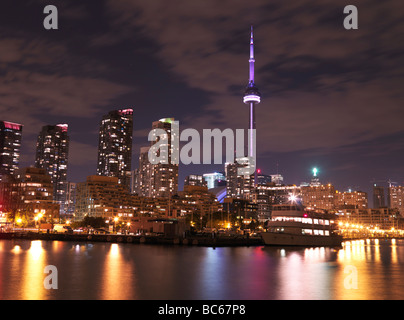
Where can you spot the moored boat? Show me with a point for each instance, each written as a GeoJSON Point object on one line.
{"type": "Point", "coordinates": [293, 225]}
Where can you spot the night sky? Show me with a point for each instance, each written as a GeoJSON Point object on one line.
{"type": "Point", "coordinates": [331, 98]}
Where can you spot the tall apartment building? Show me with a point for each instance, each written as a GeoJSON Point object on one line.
{"type": "Point", "coordinates": [396, 198]}
{"type": "Point", "coordinates": [160, 179]}
{"type": "Point", "coordinates": [115, 146]}
{"type": "Point", "coordinates": [52, 151]}
{"type": "Point", "coordinates": [10, 144]}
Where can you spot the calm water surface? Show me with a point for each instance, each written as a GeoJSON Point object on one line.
{"type": "Point", "coordinates": [130, 271]}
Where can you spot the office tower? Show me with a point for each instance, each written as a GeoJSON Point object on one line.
{"type": "Point", "coordinates": [10, 144]}
{"type": "Point", "coordinates": [115, 145]}
{"type": "Point", "coordinates": [252, 97]}
{"type": "Point", "coordinates": [215, 179]}
{"type": "Point", "coordinates": [160, 179]}
{"type": "Point", "coordinates": [378, 197]}
{"type": "Point", "coordinates": [52, 150]}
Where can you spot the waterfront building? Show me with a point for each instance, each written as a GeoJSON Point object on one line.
{"type": "Point", "coordinates": [28, 193]}
{"type": "Point", "coordinates": [362, 219]}
{"type": "Point", "coordinates": [101, 196]}
{"type": "Point", "coordinates": [115, 146]}
{"type": "Point", "coordinates": [52, 151]}
{"type": "Point", "coordinates": [10, 145]}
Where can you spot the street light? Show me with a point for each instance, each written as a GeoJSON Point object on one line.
{"type": "Point", "coordinates": [115, 221]}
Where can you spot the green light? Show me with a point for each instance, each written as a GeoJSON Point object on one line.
{"type": "Point", "coordinates": [315, 170]}
{"type": "Point", "coordinates": [167, 120]}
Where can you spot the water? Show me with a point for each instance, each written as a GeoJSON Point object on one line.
{"type": "Point", "coordinates": [360, 270]}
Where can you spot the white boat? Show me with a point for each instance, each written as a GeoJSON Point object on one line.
{"type": "Point", "coordinates": [292, 225]}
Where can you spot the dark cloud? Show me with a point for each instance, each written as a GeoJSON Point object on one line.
{"type": "Point", "coordinates": [326, 90]}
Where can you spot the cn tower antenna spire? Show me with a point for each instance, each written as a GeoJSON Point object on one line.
{"type": "Point", "coordinates": [252, 60]}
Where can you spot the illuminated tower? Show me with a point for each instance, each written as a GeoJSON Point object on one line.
{"type": "Point", "coordinates": [10, 143]}
{"type": "Point", "coordinates": [251, 97]}
{"type": "Point", "coordinates": [52, 151]}
{"type": "Point", "coordinates": [115, 145]}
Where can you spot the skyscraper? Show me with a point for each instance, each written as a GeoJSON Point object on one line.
{"type": "Point", "coordinates": [378, 197]}
{"type": "Point", "coordinates": [10, 144]}
{"type": "Point", "coordinates": [160, 179]}
{"type": "Point", "coordinates": [115, 145]}
{"type": "Point", "coordinates": [52, 151]}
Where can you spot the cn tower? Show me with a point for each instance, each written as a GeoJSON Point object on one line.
{"type": "Point", "coordinates": [252, 97]}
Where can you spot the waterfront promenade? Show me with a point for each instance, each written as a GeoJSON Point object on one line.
{"type": "Point", "coordinates": [208, 239]}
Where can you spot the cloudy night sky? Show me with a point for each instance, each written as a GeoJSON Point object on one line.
{"type": "Point", "coordinates": [331, 98]}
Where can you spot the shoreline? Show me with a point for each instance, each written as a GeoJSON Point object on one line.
{"type": "Point", "coordinates": [207, 241]}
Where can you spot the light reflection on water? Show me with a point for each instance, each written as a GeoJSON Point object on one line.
{"type": "Point", "coordinates": [129, 271]}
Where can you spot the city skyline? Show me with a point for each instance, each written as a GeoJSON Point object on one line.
{"type": "Point", "coordinates": [332, 97]}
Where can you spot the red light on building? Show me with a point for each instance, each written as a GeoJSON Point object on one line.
{"type": "Point", "coordinates": [12, 125]}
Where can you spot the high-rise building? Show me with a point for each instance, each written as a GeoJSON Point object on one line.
{"type": "Point", "coordinates": [144, 183]}
{"type": "Point", "coordinates": [159, 179]}
{"type": "Point", "coordinates": [115, 145]}
{"type": "Point", "coordinates": [10, 144]}
{"type": "Point", "coordinates": [52, 151]}
{"type": "Point", "coordinates": [378, 197]}
{"type": "Point", "coordinates": [396, 198]}
{"type": "Point", "coordinates": [238, 186]}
